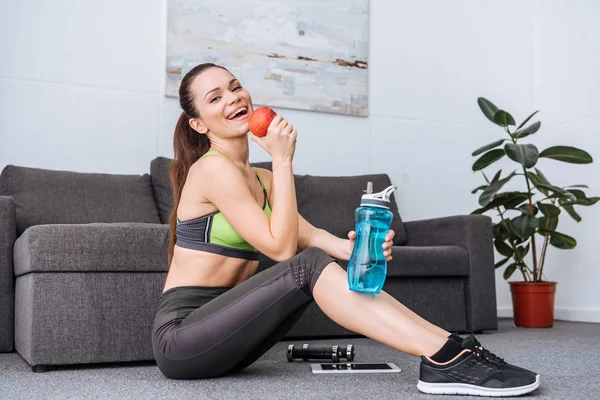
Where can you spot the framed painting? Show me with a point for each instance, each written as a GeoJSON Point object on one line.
{"type": "Point", "coordinates": [299, 54]}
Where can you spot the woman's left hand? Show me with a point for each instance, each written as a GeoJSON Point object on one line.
{"type": "Point", "coordinates": [387, 245]}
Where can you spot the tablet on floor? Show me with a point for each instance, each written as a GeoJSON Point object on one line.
{"type": "Point", "coordinates": [354, 368]}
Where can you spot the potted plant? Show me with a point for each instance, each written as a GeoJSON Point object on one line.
{"type": "Point", "coordinates": [527, 219]}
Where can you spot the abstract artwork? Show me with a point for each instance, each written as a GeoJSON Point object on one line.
{"type": "Point", "coordinates": [300, 54]}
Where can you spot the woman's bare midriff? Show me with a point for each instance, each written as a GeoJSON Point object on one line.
{"type": "Point", "coordinates": [199, 268]}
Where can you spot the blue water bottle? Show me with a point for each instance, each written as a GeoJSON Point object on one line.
{"type": "Point", "coordinates": [367, 267]}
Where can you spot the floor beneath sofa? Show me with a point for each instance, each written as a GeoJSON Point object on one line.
{"type": "Point", "coordinates": [566, 356]}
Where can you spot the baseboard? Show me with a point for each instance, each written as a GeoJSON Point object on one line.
{"type": "Point", "coordinates": [505, 312]}
{"type": "Point", "coordinates": [562, 314]}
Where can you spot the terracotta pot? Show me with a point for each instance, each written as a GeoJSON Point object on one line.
{"type": "Point", "coordinates": [533, 303]}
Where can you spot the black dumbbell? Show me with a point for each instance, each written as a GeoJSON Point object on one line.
{"type": "Point", "coordinates": [333, 353]}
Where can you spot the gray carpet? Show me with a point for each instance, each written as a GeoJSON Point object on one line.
{"type": "Point", "coordinates": [566, 356]}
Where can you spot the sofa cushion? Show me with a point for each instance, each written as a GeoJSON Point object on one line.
{"type": "Point", "coordinates": [162, 187]}
{"type": "Point", "coordinates": [63, 197]}
{"type": "Point", "coordinates": [99, 247]}
{"type": "Point", "coordinates": [329, 202]}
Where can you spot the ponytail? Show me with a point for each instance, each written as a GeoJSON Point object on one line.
{"type": "Point", "coordinates": [188, 146]}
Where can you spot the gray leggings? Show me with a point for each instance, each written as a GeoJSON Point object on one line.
{"type": "Point", "coordinates": [203, 332]}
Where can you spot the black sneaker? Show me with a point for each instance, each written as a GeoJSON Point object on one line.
{"type": "Point", "coordinates": [476, 346]}
{"type": "Point", "coordinates": [475, 373]}
{"type": "Point", "coordinates": [492, 356]}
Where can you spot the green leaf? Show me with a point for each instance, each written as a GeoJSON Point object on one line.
{"type": "Point", "coordinates": [571, 211]}
{"type": "Point", "coordinates": [525, 209]}
{"type": "Point", "coordinates": [568, 154]}
{"type": "Point", "coordinates": [525, 154]}
{"type": "Point", "coordinates": [488, 108]}
{"type": "Point", "coordinates": [525, 226]}
{"type": "Point", "coordinates": [503, 118]}
{"type": "Point", "coordinates": [587, 202]}
{"type": "Point", "coordinates": [530, 130]}
{"type": "Point", "coordinates": [580, 194]}
{"type": "Point", "coordinates": [561, 192]}
{"type": "Point", "coordinates": [548, 223]}
{"type": "Point", "coordinates": [535, 179]}
{"type": "Point", "coordinates": [580, 198]}
{"type": "Point", "coordinates": [542, 177]}
{"type": "Point", "coordinates": [508, 200]}
{"type": "Point", "coordinates": [503, 248]}
{"type": "Point", "coordinates": [477, 189]}
{"type": "Point", "coordinates": [560, 240]}
{"type": "Point", "coordinates": [562, 243]}
{"type": "Point", "coordinates": [501, 263]}
{"type": "Point", "coordinates": [497, 176]}
{"type": "Point", "coordinates": [549, 210]}
{"type": "Point", "coordinates": [515, 201]}
{"type": "Point", "coordinates": [510, 270]}
{"type": "Point", "coordinates": [526, 120]}
{"type": "Point", "coordinates": [561, 198]}
{"type": "Point", "coordinates": [578, 186]}
{"type": "Point", "coordinates": [488, 158]}
{"type": "Point", "coordinates": [500, 231]}
{"type": "Point", "coordinates": [522, 251]}
{"type": "Point", "coordinates": [492, 189]}
{"type": "Point", "coordinates": [488, 146]}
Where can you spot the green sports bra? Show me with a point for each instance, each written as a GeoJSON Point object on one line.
{"type": "Point", "coordinates": [214, 234]}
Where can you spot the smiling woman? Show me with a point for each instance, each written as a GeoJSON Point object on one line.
{"type": "Point", "coordinates": [217, 316]}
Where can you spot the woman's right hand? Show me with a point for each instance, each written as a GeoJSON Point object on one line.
{"type": "Point", "coordinates": [280, 141]}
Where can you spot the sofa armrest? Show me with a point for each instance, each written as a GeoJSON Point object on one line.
{"type": "Point", "coordinates": [474, 234]}
{"type": "Point", "coordinates": [97, 247]}
{"type": "Point", "coordinates": [8, 234]}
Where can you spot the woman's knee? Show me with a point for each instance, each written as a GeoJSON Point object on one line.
{"type": "Point", "coordinates": [307, 267]}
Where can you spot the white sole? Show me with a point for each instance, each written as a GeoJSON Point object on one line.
{"type": "Point", "coordinates": [472, 390]}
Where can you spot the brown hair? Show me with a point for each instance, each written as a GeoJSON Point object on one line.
{"type": "Point", "coordinates": [188, 145]}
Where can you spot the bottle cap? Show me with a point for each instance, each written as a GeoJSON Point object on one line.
{"type": "Point", "coordinates": [381, 199]}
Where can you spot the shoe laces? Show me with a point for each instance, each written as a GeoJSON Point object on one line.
{"type": "Point", "coordinates": [485, 354]}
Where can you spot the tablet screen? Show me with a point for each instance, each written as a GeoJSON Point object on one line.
{"type": "Point", "coordinates": [355, 367]}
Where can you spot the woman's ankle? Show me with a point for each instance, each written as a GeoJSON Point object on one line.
{"type": "Point", "coordinates": [450, 350]}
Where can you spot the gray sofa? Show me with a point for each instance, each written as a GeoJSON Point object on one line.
{"type": "Point", "coordinates": [83, 258]}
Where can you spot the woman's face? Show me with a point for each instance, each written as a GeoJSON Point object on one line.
{"type": "Point", "coordinates": [224, 105]}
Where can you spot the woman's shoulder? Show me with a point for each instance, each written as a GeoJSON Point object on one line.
{"type": "Point", "coordinates": [210, 173]}
{"type": "Point", "coordinates": [211, 165]}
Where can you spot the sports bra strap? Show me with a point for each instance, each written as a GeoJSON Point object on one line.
{"type": "Point", "coordinates": [258, 176]}
{"type": "Point", "coordinates": [208, 153]}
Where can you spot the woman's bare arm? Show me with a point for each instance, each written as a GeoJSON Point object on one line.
{"type": "Point", "coordinates": [224, 186]}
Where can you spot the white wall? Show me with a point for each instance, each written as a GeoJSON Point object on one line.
{"type": "Point", "coordinates": [567, 93]}
{"type": "Point", "coordinates": [81, 89]}
{"type": "Point", "coordinates": [80, 84]}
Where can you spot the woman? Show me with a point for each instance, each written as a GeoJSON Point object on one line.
{"type": "Point", "coordinates": [216, 316]}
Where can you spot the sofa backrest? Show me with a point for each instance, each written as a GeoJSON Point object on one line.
{"type": "Point", "coordinates": [62, 197]}
{"type": "Point", "coordinates": [161, 184]}
{"type": "Point", "coordinates": [327, 202]}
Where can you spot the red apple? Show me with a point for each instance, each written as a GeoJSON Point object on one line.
{"type": "Point", "coordinates": [260, 119]}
